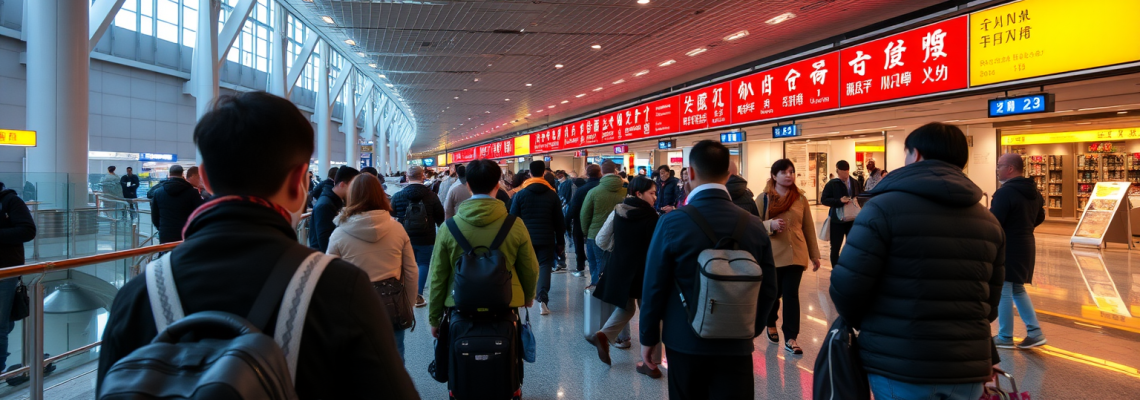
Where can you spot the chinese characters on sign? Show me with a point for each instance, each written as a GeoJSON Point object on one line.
{"type": "Point", "coordinates": [797, 88]}
{"type": "Point", "coordinates": [786, 131]}
{"type": "Point", "coordinates": [1032, 104]}
{"type": "Point", "coordinates": [926, 60]}
{"type": "Point", "coordinates": [706, 107]}
{"type": "Point", "coordinates": [10, 137]}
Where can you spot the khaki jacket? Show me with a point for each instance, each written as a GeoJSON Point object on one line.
{"type": "Point", "coordinates": [797, 244]}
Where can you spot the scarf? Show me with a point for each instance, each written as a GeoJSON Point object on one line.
{"type": "Point", "coordinates": [778, 205]}
{"type": "Point", "coordinates": [543, 181]}
{"type": "Point", "coordinates": [209, 205]}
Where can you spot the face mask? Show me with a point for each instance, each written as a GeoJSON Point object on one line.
{"type": "Point", "coordinates": [295, 216]}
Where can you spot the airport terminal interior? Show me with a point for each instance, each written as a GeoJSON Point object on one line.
{"type": "Point", "coordinates": [396, 86]}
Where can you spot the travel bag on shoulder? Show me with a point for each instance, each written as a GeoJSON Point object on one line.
{"type": "Point", "coordinates": [486, 363]}
{"type": "Point", "coordinates": [217, 355]}
{"type": "Point", "coordinates": [839, 371]}
{"type": "Point", "coordinates": [395, 300]}
{"type": "Point", "coordinates": [727, 285]}
{"type": "Point", "coordinates": [417, 219]}
{"type": "Point", "coordinates": [482, 279]}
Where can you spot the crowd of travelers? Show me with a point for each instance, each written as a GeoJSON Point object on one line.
{"type": "Point", "coordinates": [705, 263]}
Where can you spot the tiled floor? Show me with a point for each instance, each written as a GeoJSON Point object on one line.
{"type": "Point", "coordinates": [1093, 352]}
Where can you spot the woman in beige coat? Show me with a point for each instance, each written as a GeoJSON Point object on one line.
{"type": "Point", "coordinates": [787, 216]}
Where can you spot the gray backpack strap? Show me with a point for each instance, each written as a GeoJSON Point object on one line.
{"type": "Point", "coordinates": [164, 300]}
{"type": "Point", "coordinates": [295, 306]}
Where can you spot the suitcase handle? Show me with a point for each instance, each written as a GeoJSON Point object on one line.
{"type": "Point", "coordinates": [1012, 382]}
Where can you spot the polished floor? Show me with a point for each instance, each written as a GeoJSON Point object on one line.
{"type": "Point", "coordinates": [1089, 304]}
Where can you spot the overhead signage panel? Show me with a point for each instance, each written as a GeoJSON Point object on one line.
{"type": "Point", "coordinates": [732, 137]}
{"type": "Point", "coordinates": [786, 131]}
{"type": "Point", "coordinates": [1033, 38]}
{"type": "Point", "coordinates": [705, 108]}
{"type": "Point", "coordinates": [10, 137]}
{"type": "Point", "coordinates": [925, 60]}
{"type": "Point", "coordinates": [162, 157]}
{"type": "Point", "coordinates": [1071, 137]}
{"type": "Point", "coordinates": [797, 88]}
{"type": "Point", "coordinates": [1021, 105]}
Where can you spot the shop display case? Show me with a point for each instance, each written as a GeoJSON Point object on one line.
{"type": "Point", "coordinates": [1047, 171]}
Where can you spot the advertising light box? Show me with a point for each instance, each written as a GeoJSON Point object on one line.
{"type": "Point", "coordinates": [1033, 38]}
{"type": "Point", "coordinates": [705, 107]}
{"type": "Point", "coordinates": [11, 137]}
{"type": "Point", "coordinates": [800, 87]}
{"type": "Point", "coordinates": [925, 60]}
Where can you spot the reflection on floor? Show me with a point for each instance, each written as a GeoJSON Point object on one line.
{"type": "Point", "coordinates": [1093, 351]}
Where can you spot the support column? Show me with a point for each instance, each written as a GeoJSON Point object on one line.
{"type": "Point", "coordinates": [382, 145]}
{"type": "Point", "coordinates": [348, 122]}
{"type": "Point", "coordinates": [278, 41]}
{"type": "Point", "coordinates": [57, 106]}
{"type": "Point", "coordinates": [370, 126]}
{"type": "Point", "coordinates": [321, 108]}
{"type": "Point", "coordinates": [204, 73]}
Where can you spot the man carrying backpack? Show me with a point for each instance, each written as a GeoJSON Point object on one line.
{"type": "Point", "coordinates": [538, 206]}
{"type": "Point", "coordinates": [233, 246]}
{"type": "Point", "coordinates": [714, 363]}
{"type": "Point", "coordinates": [479, 222]}
{"type": "Point", "coordinates": [420, 211]}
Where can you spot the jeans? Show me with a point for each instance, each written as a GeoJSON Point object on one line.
{"type": "Point", "coordinates": [889, 389]}
{"type": "Point", "coordinates": [399, 334]}
{"type": "Point", "coordinates": [423, 260]}
{"type": "Point", "coordinates": [597, 258]}
{"type": "Point", "coordinates": [1014, 294]}
{"type": "Point", "coordinates": [789, 290]}
{"type": "Point", "coordinates": [7, 294]}
{"type": "Point", "coordinates": [546, 255]}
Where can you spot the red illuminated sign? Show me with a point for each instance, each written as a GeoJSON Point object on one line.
{"type": "Point", "coordinates": [926, 60]}
{"type": "Point", "coordinates": [500, 149]}
{"type": "Point", "coordinates": [797, 88]}
{"type": "Point", "coordinates": [621, 149]}
{"type": "Point", "coordinates": [464, 156]}
{"type": "Point", "coordinates": [705, 108]}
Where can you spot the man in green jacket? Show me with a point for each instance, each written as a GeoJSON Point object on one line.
{"type": "Point", "coordinates": [600, 201]}
{"type": "Point", "coordinates": [479, 218]}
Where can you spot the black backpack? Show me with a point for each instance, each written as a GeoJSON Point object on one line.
{"type": "Point", "coordinates": [417, 220]}
{"type": "Point", "coordinates": [482, 280]}
{"type": "Point", "coordinates": [218, 355]}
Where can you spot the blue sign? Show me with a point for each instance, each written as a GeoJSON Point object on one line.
{"type": "Point", "coordinates": [666, 144]}
{"type": "Point", "coordinates": [429, 162]}
{"type": "Point", "coordinates": [546, 158]}
{"type": "Point", "coordinates": [732, 137]}
{"type": "Point", "coordinates": [1032, 104]}
{"type": "Point", "coordinates": [158, 157]}
{"type": "Point", "coordinates": [786, 131]}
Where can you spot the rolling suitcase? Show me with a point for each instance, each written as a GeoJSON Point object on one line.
{"type": "Point", "coordinates": [596, 312]}
{"type": "Point", "coordinates": [486, 362]}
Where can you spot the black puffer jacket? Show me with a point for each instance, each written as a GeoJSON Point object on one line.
{"type": "Point", "coordinates": [16, 228]}
{"type": "Point", "coordinates": [540, 209]}
{"type": "Point", "coordinates": [634, 223]}
{"type": "Point", "coordinates": [1019, 208]}
{"type": "Point", "coordinates": [418, 192]}
{"type": "Point", "coordinates": [171, 207]}
{"type": "Point", "coordinates": [575, 210]}
{"type": "Point", "coordinates": [668, 193]}
{"type": "Point", "coordinates": [921, 276]}
{"type": "Point", "coordinates": [321, 223]}
{"type": "Point", "coordinates": [741, 195]}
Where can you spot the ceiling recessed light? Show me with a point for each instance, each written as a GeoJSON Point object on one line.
{"type": "Point", "coordinates": [506, 99]}
{"type": "Point", "coordinates": [327, 19]}
{"type": "Point", "coordinates": [598, 89]}
{"type": "Point", "coordinates": [596, 47]}
{"type": "Point", "coordinates": [529, 85]}
{"type": "Point", "coordinates": [642, 1]}
{"type": "Point", "coordinates": [541, 110]}
{"type": "Point", "coordinates": [486, 112]}
{"type": "Point", "coordinates": [373, 65]}
{"type": "Point", "coordinates": [558, 65]}
{"type": "Point", "coordinates": [581, 95]}
{"type": "Point", "coordinates": [696, 51]}
{"type": "Point", "coordinates": [780, 18]}
{"type": "Point", "coordinates": [476, 79]}
{"type": "Point", "coordinates": [360, 54]}
{"type": "Point", "coordinates": [390, 85]}
{"type": "Point", "coordinates": [457, 97]}
{"type": "Point", "coordinates": [350, 42]}
{"type": "Point", "coordinates": [736, 35]}
{"type": "Point", "coordinates": [550, 106]}
{"type": "Point", "coordinates": [667, 63]}
{"type": "Point", "coordinates": [565, 101]}
{"type": "Point", "coordinates": [464, 90]}
{"type": "Point", "coordinates": [619, 81]}
{"type": "Point", "coordinates": [381, 75]}
{"type": "Point", "coordinates": [528, 115]}
{"type": "Point", "coordinates": [640, 73]}
{"type": "Point", "coordinates": [1122, 112]}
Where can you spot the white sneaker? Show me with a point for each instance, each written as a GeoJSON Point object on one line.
{"type": "Point", "coordinates": [545, 310]}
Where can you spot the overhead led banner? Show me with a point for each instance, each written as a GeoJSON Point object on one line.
{"type": "Point", "coordinates": [705, 107]}
{"type": "Point", "coordinates": [1033, 38]}
{"type": "Point", "coordinates": [9, 137]}
{"type": "Point", "coordinates": [930, 59]}
{"type": "Point", "coordinates": [1071, 137]}
{"type": "Point", "coordinates": [797, 88]}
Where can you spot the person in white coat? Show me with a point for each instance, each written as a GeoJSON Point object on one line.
{"type": "Point", "coordinates": [367, 236]}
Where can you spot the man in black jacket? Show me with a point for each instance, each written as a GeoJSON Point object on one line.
{"type": "Point", "coordinates": [130, 184]}
{"type": "Point", "coordinates": [314, 195]}
{"type": "Point", "coordinates": [232, 244]}
{"type": "Point", "coordinates": [422, 235]}
{"type": "Point", "coordinates": [668, 190]}
{"type": "Point", "coordinates": [1019, 207]}
{"type": "Point", "coordinates": [836, 194]}
{"type": "Point", "coordinates": [17, 226]}
{"type": "Point", "coordinates": [741, 194]}
{"type": "Point", "coordinates": [172, 205]}
{"type": "Point", "coordinates": [593, 176]}
{"type": "Point", "coordinates": [538, 206]}
{"type": "Point", "coordinates": [702, 368]}
{"type": "Point", "coordinates": [329, 205]}
{"type": "Point", "coordinates": [922, 274]}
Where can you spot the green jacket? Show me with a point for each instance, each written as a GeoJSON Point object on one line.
{"type": "Point", "coordinates": [600, 201]}
{"type": "Point", "coordinates": [480, 220]}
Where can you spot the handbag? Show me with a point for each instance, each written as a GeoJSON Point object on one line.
{"type": "Point", "coordinates": [391, 292]}
{"type": "Point", "coordinates": [439, 368]}
{"type": "Point", "coordinates": [528, 344]}
{"type": "Point", "coordinates": [21, 305]}
{"type": "Point", "coordinates": [825, 231]}
{"type": "Point", "coordinates": [848, 212]}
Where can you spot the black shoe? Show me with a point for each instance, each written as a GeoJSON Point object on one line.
{"type": "Point", "coordinates": [793, 348]}
{"type": "Point", "coordinates": [773, 337]}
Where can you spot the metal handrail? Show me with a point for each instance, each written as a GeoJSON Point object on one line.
{"type": "Point", "coordinates": [34, 324]}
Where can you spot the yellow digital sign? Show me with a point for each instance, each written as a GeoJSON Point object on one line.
{"type": "Point", "coordinates": [1031, 38]}
{"type": "Point", "coordinates": [869, 149]}
{"type": "Point", "coordinates": [1071, 137]}
{"type": "Point", "coordinates": [441, 160]}
{"type": "Point", "coordinates": [10, 137]}
{"type": "Point", "coordinates": [522, 145]}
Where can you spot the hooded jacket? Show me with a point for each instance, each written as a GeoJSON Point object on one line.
{"type": "Point", "coordinates": [741, 195]}
{"type": "Point", "coordinates": [921, 277]}
{"type": "Point", "coordinates": [599, 202]}
{"type": "Point", "coordinates": [171, 207]}
{"type": "Point", "coordinates": [417, 192]}
{"type": "Point", "coordinates": [1019, 208]}
{"type": "Point", "coordinates": [479, 220]}
{"type": "Point", "coordinates": [321, 222]}
{"type": "Point", "coordinates": [539, 207]}
{"type": "Point", "coordinates": [17, 226]}
{"type": "Point", "coordinates": [377, 244]}
{"type": "Point", "coordinates": [668, 192]}
{"type": "Point", "coordinates": [633, 222]}
{"type": "Point", "coordinates": [347, 346]}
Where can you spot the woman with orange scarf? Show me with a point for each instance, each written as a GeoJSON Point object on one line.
{"type": "Point", "coordinates": [787, 216]}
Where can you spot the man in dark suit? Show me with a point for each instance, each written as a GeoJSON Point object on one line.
{"type": "Point", "coordinates": [836, 194]}
{"type": "Point", "coordinates": [701, 368]}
